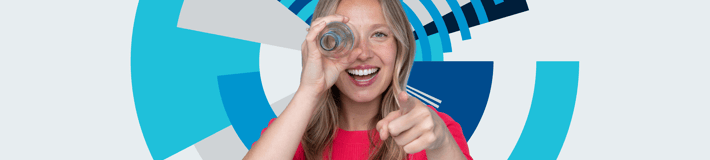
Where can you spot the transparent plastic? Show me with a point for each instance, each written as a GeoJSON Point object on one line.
{"type": "Point", "coordinates": [337, 40]}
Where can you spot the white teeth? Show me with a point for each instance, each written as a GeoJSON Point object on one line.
{"type": "Point", "coordinates": [362, 72]}
{"type": "Point", "coordinates": [366, 79]}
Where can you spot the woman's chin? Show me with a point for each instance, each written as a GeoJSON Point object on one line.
{"type": "Point", "coordinates": [363, 96]}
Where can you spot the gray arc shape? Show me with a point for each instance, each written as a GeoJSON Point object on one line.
{"type": "Point", "coordinates": [263, 21]}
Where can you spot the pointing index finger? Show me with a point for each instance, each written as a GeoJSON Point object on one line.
{"type": "Point", "coordinates": [405, 101]}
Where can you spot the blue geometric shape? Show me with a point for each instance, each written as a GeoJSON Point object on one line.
{"type": "Point", "coordinates": [418, 53]}
{"type": "Point", "coordinates": [470, 13]}
{"type": "Point", "coordinates": [308, 21]}
{"type": "Point", "coordinates": [414, 20]}
{"type": "Point", "coordinates": [495, 11]}
{"type": "Point", "coordinates": [498, 1]}
{"type": "Point", "coordinates": [460, 19]}
{"type": "Point", "coordinates": [173, 74]}
{"type": "Point", "coordinates": [287, 3]}
{"type": "Point", "coordinates": [462, 86]}
{"type": "Point", "coordinates": [480, 11]}
{"type": "Point", "coordinates": [489, 10]}
{"type": "Point", "coordinates": [440, 25]}
{"type": "Point", "coordinates": [307, 11]}
{"type": "Point", "coordinates": [437, 53]}
{"type": "Point", "coordinates": [550, 113]}
{"type": "Point", "coordinates": [451, 22]}
{"type": "Point", "coordinates": [298, 5]}
{"type": "Point", "coordinates": [246, 105]}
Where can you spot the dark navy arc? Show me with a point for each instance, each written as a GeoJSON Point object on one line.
{"type": "Point", "coordinates": [462, 86]}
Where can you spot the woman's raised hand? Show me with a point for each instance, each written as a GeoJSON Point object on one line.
{"type": "Point", "coordinates": [320, 73]}
{"type": "Point", "coordinates": [415, 127]}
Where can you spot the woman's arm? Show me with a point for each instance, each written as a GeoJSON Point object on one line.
{"type": "Point", "coordinates": [281, 139]}
{"type": "Point", "coordinates": [284, 134]}
{"type": "Point", "coordinates": [450, 147]}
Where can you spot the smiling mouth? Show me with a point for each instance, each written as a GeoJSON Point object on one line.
{"type": "Point", "coordinates": [363, 75]}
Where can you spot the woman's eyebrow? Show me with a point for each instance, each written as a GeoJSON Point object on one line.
{"type": "Point", "coordinates": [380, 25]}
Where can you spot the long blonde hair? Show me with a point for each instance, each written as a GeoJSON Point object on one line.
{"type": "Point", "coordinates": [322, 127]}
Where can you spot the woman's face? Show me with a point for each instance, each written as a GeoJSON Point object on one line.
{"type": "Point", "coordinates": [369, 76]}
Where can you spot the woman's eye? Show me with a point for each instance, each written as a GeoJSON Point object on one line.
{"type": "Point", "coordinates": [379, 34]}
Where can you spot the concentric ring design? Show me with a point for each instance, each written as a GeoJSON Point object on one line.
{"type": "Point", "coordinates": [198, 82]}
{"type": "Point", "coordinates": [551, 111]}
{"type": "Point", "coordinates": [461, 18]}
{"type": "Point", "coordinates": [174, 75]}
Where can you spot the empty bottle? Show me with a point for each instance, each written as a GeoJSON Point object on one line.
{"type": "Point", "coordinates": [337, 40]}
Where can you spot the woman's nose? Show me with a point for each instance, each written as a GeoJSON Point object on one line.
{"type": "Point", "coordinates": [363, 51]}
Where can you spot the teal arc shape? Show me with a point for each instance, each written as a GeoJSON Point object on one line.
{"type": "Point", "coordinates": [440, 25]}
{"type": "Point", "coordinates": [174, 75]}
{"type": "Point", "coordinates": [307, 10]}
{"type": "Point", "coordinates": [424, 46]}
{"type": "Point", "coordinates": [460, 19]}
{"type": "Point", "coordinates": [246, 105]}
{"type": "Point", "coordinates": [551, 111]}
{"type": "Point", "coordinates": [480, 11]}
{"type": "Point", "coordinates": [424, 41]}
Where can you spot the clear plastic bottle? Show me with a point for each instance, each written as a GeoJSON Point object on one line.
{"type": "Point", "coordinates": [337, 40]}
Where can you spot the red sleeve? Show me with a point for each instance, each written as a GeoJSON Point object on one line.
{"type": "Point", "coordinates": [300, 154]}
{"type": "Point", "coordinates": [456, 132]}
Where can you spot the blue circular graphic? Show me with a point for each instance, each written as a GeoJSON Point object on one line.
{"type": "Point", "coordinates": [189, 84]}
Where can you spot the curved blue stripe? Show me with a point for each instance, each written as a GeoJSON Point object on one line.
{"type": "Point", "coordinates": [467, 102]}
{"type": "Point", "coordinates": [550, 113]}
{"type": "Point", "coordinates": [418, 54]}
{"type": "Point", "coordinates": [414, 20]}
{"type": "Point", "coordinates": [173, 76]}
{"type": "Point", "coordinates": [460, 19]}
{"type": "Point", "coordinates": [298, 5]}
{"type": "Point", "coordinates": [308, 21]}
{"type": "Point", "coordinates": [307, 11]}
{"type": "Point", "coordinates": [246, 105]}
{"type": "Point", "coordinates": [480, 11]}
{"type": "Point", "coordinates": [440, 25]}
{"type": "Point", "coordinates": [437, 53]}
{"type": "Point", "coordinates": [287, 3]}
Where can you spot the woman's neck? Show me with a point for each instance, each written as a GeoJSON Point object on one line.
{"type": "Point", "coordinates": [356, 116]}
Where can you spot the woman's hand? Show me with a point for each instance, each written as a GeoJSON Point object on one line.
{"type": "Point", "coordinates": [416, 127]}
{"type": "Point", "coordinates": [284, 135]}
{"type": "Point", "coordinates": [320, 73]}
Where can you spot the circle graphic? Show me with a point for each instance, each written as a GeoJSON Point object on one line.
{"type": "Point", "coordinates": [205, 76]}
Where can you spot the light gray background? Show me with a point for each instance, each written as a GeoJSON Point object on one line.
{"type": "Point", "coordinates": [65, 89]}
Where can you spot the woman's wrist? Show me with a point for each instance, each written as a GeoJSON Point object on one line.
{"type": "Point", "coordinates": [308, 94]}
{"type": "Point", "coordinates": [448, 148]}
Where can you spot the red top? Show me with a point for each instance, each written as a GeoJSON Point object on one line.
{"type": "Point", "coordinates": [355, 144]}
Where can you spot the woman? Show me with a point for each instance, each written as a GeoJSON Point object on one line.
{"type": "Point", "coordinates": [336, 114]}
